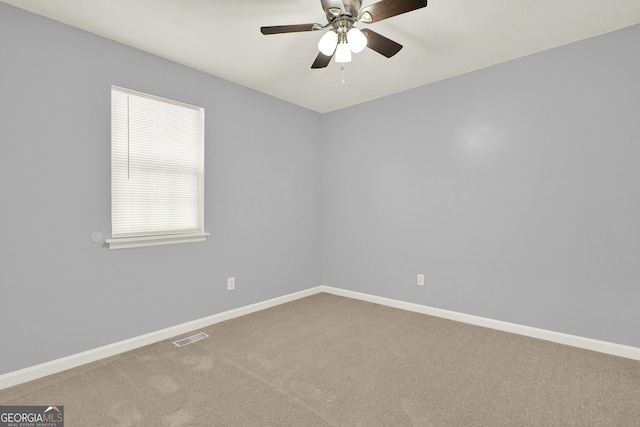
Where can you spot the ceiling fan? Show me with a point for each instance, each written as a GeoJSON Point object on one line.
{"type": "Point", "coordinates": [342, 37]}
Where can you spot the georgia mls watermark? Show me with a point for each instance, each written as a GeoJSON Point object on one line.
{"type": "Point", "coordinates": [32, 416]}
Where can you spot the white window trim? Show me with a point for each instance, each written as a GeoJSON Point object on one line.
{"type": "Point", "coordinates": [169, 238]}
{"type": "Point", "coordinates": [139, 242]}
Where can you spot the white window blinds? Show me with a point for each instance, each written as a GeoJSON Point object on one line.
{"type": "Point", "coordinates": [157, 170]}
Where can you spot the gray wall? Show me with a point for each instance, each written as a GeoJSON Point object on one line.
{"type": "Point", "coordinates": [514, 189]}
{"type": "Point", "coordinates": [61, 294]}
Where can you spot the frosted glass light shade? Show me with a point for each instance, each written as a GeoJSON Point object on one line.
{"type": "Point", "coordinates": [357, 40]}
{"type": "Point", "coordinates": [328, 42]}
{"type": "Point", "coordinates": [343, 53]}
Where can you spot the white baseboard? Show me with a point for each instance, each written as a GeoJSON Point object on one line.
{"type": "Point", "coordinates": [557, 337]}
{"type": "Point", "coordinates": [75, 360]}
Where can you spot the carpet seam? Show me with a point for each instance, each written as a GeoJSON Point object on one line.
{"type": "Point", "coordinates": [283, 392]}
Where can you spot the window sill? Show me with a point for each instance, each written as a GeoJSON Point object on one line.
{"type": "Point", "coordinates": [138, 242]}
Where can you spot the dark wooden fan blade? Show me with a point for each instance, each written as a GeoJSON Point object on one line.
{"type": "Point", "coordinates": [321, 61]}
{"type": "Point", "coordinates": [279, 29]}
{"type": "Point", "coordinates": [381, 44]}
{"type": "Point", "coordinates": [387, 8]}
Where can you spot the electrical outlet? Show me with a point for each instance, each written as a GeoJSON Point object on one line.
{"type": "Point", "coordinates": [231, 283]}
{"type": "Point", "coordinates": [421, 279]}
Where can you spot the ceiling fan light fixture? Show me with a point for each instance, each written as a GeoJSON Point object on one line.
{"type": "Point", "coordinates": [328, 42]}
{"type": "Point", "coordinates": [343, 53]}
{"type": "Point", "coordinates": [357, 40]}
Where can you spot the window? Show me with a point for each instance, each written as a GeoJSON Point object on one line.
{"type": "Point", "coordinates": [157, 171]}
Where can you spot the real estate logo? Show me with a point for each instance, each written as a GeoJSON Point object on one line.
{"type": "Point", "coordinates": [32, 416]}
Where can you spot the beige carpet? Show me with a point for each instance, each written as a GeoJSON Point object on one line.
{"type": "Point", "coordinates": [332, 361]}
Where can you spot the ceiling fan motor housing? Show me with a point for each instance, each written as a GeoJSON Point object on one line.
{"type": "Point", "coordinates": [349, 8]}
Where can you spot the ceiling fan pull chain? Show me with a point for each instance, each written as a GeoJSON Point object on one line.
{"type": "Point", "coordinates": [342, 69]}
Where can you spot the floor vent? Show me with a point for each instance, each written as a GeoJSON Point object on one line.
{"type": "Point", "coordinates": [189, 340]}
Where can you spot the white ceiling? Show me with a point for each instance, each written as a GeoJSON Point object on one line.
{"type": "Point", "coordinates": [447, 38]}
